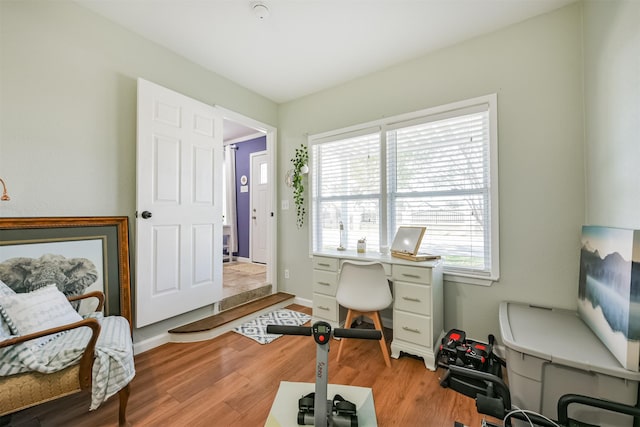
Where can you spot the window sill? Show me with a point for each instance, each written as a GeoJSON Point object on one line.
{"type": "Point", "coordinates": [468, 279]}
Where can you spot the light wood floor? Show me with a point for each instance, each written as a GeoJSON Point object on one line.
{"type": "Point", "coordinates": [232, 381]}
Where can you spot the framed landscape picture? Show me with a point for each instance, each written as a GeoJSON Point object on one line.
{"type": "Point", "coordinates": [609, 290]}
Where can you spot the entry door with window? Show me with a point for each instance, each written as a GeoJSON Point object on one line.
{"type": "Point", "coordinates": [259, 206]}
{"type": "Point", "coordinates": [179, 204]}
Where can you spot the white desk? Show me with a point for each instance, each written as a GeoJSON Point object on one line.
{"type": "Point", "coordinates": [284, 411]}
{"type": "Point", "coordinates": [418, 319]}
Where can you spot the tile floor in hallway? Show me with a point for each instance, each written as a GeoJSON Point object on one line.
{"type": "Point", "coordinates": [241, 277]}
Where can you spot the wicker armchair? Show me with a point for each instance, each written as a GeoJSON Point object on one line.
{"type": "Point", "coordinates": [28, 389]}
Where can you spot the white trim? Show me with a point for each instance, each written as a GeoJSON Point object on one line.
{"type": "Point", "coordinates": [436, 116]}
{"type": "Point", "coordinates": [271, 148]}
{"type": "Point", "coordinates": [493, 182]}
{"type": "Point", "coordinates": [244, 138]}
{"type": "Point", "coordinates": [370, 127]}
{"type": "Point", "coordinates": [481, 103]}
{"type": "Point", "coordinates": [351, 132]}
{"type": "Point", "coordinates": [151, 343]}
{"type": "Point", "coordinates": [303, 301]}
{"type": "Point", "coordinates": [468, 279]}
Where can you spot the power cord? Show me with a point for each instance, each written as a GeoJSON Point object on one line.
{"type": "Point", "coordinates": [525, 412]}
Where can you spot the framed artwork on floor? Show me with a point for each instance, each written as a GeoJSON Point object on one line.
{"type": "Point", "coordinates": [77, 254]}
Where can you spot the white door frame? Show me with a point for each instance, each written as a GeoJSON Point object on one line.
{"type": "Point", "coordinates": [271, 133]}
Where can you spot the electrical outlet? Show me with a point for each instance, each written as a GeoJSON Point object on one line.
{"type": "Point", "coordinates": [285, 204]}
{"type": "Point", "coordinates": [286, 273]}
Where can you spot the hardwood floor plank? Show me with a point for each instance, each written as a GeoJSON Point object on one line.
{"type": "Point", "coordinates": [232, 381]}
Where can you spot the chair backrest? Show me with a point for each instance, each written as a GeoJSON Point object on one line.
{"type": "Point", "coordinates": [363, 287]}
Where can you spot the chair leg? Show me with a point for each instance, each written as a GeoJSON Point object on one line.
{"type": "Point", "coordinates": [347, 324]}
{"type": "Point", "coordinates": [375, 316]}
{"type": "Point", "coordinates": [123, 396]}
{"type": "Point", "coordinates": [383, 344]}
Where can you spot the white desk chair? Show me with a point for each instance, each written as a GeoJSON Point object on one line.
{"type": "Point", "coordinates": [364, 290]}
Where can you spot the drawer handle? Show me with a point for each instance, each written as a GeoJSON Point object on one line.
{"type": "Point", "coordinates": [413, 276]}
{"type": "Point", "coordinates": [323, 308]}
{"type": "Point", "coordinates": [411, 299]}
{"type": "Point", "coordinates": [323, 264]}
{"type": "Point", "coordinates": [324, 283]}
{"type": "Point", "coordinates": [408, 329]}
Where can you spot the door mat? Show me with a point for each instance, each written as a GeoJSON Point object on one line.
{"type": "Point", "coordinates": [256, 329]}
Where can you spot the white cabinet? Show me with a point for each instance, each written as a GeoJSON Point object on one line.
{"type": "Point", "coordinates": [325, 284]}
{"type": "Point", "coordinates": [418, 319]}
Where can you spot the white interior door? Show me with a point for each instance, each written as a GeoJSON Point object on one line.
{"type": "Point", "coordinates": [260, 211]}
{"type": "Point", "coordinates": [179, 204]}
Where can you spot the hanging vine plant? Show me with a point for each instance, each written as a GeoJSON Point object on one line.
{"type": "Point", "coordinates": [300, 169]}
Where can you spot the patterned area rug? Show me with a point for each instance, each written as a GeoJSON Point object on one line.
{"type": "Point", "coordinates": [256, 329]}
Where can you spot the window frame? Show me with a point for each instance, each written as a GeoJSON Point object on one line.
{"type": "Point", "coordinates": [381, 126]}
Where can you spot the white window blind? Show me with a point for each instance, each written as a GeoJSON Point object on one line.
{"type": "Point", "coordinates": [435, 168]}
{"type": "Point", "coordinates": [346, 188]}
{"type": "Point", "coordinates": [438, 176]}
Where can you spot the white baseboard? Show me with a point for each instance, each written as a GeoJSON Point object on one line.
{"type": "Point", "coordinates": [150, 343]}
{"type": "Point", "coordinates": [303, 301]}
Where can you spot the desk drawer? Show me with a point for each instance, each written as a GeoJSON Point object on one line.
{"type": "Point", "coordinates": [412, 328]}
{"type": "Point", "coordinates": [325, 307]}
{"type": "Point", "coordinates": [325, 282]}
{"type": "Point", "coordinates": [325, 263]}
{"type": "Point", "coordinates": [408, 273]}
{"type": "Point", "coordinates": [413, 297]}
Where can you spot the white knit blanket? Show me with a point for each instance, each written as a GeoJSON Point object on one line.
{"type": "Point", "coordinates": [113, 367]}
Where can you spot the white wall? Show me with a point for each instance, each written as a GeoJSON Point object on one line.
{"type": "Point", "coordinates": [536, 69]}
{"type": "Point", "coordinates": [67, 131]}
{"type": "Point", "coordinates": [68, 111]}
{"type": "Point", "coordinates": [612, 112]}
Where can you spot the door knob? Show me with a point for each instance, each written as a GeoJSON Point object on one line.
{"type": "Point", "coordinates": [146, 215]}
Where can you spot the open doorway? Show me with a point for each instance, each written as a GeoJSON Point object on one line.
{"type": "Point", "coordinates": [247, 268]}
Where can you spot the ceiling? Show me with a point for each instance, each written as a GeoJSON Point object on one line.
{"type": "Point", "coordinates": [305, 46]}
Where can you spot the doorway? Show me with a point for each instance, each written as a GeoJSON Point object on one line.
{"type": "Point", "coordinates": [245, 277]}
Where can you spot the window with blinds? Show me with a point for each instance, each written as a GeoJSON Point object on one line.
{"type": "Point", "coordinates": [435, 168]}
{"type": "Point", "coordinates": [438, 177]}
{"type": "Point", "coordinates": [346, 190]}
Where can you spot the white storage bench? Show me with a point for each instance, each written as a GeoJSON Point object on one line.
{"type": "Point", "coordinates": [551, 352]}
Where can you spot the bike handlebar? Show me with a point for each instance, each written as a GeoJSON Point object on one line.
{"type": "Point", "coordinates": [365, 334]}
{"type": "Point", "coordinates": [289, 330]}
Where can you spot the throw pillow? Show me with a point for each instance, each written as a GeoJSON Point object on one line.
{"type": "Point", "coordinates": [36, 311]}
{"type": "Point", "coordinates": [5, 332]}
